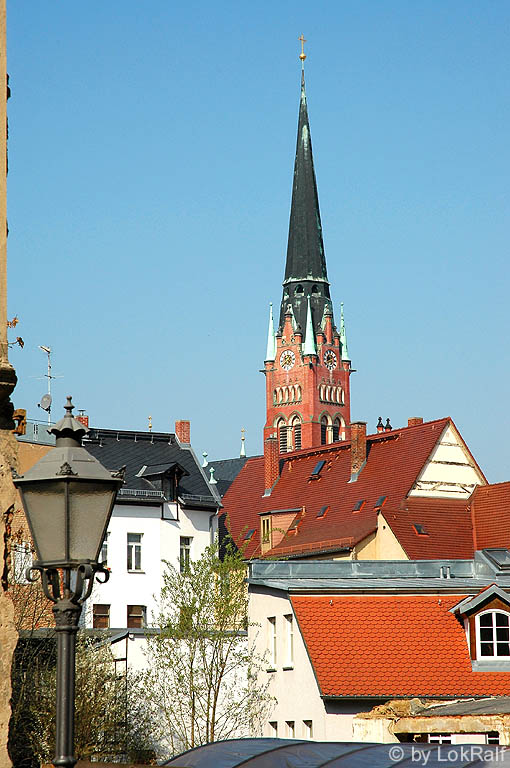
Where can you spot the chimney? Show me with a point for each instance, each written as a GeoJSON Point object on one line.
{"type": "Point", "coordinates": [414, 421]}
{"type": "Point", "coordinates": [83, 419]}
{"type": "Point", "coordinates": [358, 447]}
{"type": "Point", "coordinates": [271, 462]}
{"type": "Point", "coordinates": [182, 432]}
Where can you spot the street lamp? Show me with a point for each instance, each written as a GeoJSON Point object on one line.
{"type": "Point", "coordinates": [68, 498]}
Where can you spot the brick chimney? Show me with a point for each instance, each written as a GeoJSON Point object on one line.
{"type": "Point", "coordinates": [358, 447]}
{"type": "Point", "coordinates": [83, 418]}
{"type": "Point", "coordinates": [182, 431]}
{"type": "Point", "coordinates": [414, 421]}
{"type": "Point", "coordinates": [271, 462]}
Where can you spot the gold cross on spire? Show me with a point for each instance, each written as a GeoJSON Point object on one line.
{"type": "Point", "coordinates": [302, 55]}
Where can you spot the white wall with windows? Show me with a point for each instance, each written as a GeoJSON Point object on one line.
{"type": "Point", "coordinates": [140, 539]}
{"type": "Point", "coordinates": [300, 712]}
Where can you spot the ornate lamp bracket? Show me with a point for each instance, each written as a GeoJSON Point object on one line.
{"type": "Point", "coordinates": [56, 581]}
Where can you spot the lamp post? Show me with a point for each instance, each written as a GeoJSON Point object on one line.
{"type": "Point", "coordinates": [68, 498]}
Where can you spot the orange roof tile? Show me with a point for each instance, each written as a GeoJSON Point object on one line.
{"type": "Point", "coordinates": [391, 646]}
{"type": "Point", "coordinates": [490, 509]}
{"type": "Point", "coordinates": [394, 461]}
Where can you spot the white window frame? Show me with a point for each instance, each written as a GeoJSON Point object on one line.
{"type": "Point", "coordinates": [288, 620]}
{"type": "Point", "coordinates": [185, 544]}
{"type": "Point", "coordinates": [478, 629]}
{"type": "Point", "coordinates": [272, 642]}
{"type": "Point", "coordinates": [290, 729]}
{"type": "Point", "coordinates": [308, 730]}
{"type": "Point", "coordinates": [439, 738]}
{"type": "Point", "coordinates": [134, 553]}
{"type": "Point", "coordinates": [21, 559]}
{"type": "Point", "coordinates": [273, 729]}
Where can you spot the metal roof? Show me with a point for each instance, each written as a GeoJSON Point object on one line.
{"type": "Point", "coordinates": [288, 753]}
{"type": "Point", "coordinates": [403, 576]}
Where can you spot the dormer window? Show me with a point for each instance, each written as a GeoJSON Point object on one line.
{"type": "Point", "coordinates": [493, 635]}
{"type": "Point", "coordinates": [265, 530]}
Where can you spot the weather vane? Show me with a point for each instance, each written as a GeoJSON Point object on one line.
{"type": "Point", "coordinates": [302, 55]}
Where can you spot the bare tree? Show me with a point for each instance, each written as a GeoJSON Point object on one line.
{"type": "Point", "coordinates": [201, 674]}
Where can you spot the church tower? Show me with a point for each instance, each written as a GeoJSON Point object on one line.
{"type": "Point", "coordinates": [307, 364]}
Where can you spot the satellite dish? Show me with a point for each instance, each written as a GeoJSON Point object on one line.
{"type": "Point", "coordinates": [45, 403]}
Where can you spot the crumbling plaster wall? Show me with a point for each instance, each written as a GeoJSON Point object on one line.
{"type": "Point", "coordinates": [8, 634]}
{"type": "Point", "coordinates": [385, 723]}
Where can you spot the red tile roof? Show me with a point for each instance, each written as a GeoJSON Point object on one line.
{"type": "Point", "coordinates": [448, 526]}
{"type": "Point", "coordinates": [490, 509]}
{"type": "Point", "coordinates": [394, 461]}
{"type": "Point", "coordinates": [391, 646]}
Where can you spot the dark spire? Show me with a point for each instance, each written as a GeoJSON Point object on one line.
{"type": "Point", "coordinates": [305, 270]}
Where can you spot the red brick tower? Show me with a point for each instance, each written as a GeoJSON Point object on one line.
{"type": "Point", "coordinates": [307, 364]}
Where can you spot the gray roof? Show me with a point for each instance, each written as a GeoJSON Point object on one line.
{"type": "Point", "coordinates": [146, 452]}
{"type": "Point", "coordinates": [289, 753]}
{"type": "Point", "coordinates": [497, 705]}
{"type": "Point", "coordinates": [226, 471]}
{"type": "Point", "coordinates": [399, 576]}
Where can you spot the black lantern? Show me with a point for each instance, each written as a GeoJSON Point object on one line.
{"type": "Point", "coordinates": [68, 498]}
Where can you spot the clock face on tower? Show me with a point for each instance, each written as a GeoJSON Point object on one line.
{"type": "Point", "coordinates": [330, 359]}
{"type": "Point", "coordinates": [287, 359]}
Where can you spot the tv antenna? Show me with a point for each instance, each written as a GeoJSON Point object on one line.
{"type": "Point", "coordinates": [46, 399]}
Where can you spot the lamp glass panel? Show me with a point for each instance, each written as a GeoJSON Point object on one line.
{"type": "Point", "coordinates": [45, 509]}
{"type": "Point", "coordinates": [90, 505]}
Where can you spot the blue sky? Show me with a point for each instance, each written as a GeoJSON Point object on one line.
{"type": "Point", "coordinates": [151, 152]}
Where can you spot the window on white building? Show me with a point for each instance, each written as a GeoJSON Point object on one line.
{"type": "Point", "coordinates": [136, 616]}
{"type": "Point", "coordinates": [103, 557]}
{"type": "Point", "coordinates": [493, 635]}
{"type": "Point", "coordinates": [289, 641]}
{"type": "Point", "coordinates": [290, 729]}
{"type": "Point", "coordinates": [100, 616]}
{"type": "Point", "coordinates": [273, 729]}
{"type": "Point", "coordinates": [307, 729]}
{"type": "Point", "coordinates": [440, 738]}
{"type": "Point", "coordinates": [134, 551]}
{"type": "Point", "coordinates": [21, 557]}
{"type": "Point", "coordinates": [185, 553]}
{"type": "Point", "coordinates": [271, 641]}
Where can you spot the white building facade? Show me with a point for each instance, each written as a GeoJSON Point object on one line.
{"type": "Point", "coordinates": [165, 512]}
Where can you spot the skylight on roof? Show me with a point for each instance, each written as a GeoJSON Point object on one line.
{"type": "Point", "coordinates": [380, 501]}
{"type": "Point", "coordinates": [249, 534]}
{"type": "Point", "coordinates": [317, 469]}
{"type": "Point", "coordinates": [420, 529]}
{"type": "Point", "coordinates": [359, 505]}
{"type": "Point", "coordinates": [322, 511]}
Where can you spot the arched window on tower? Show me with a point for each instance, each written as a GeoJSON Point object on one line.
{"type": "Point", "coordinates": [296, 432]}
{"type": "Point", "coordinates": [338, 429]}
{"type": "Point", "coordinates": [326, 430]}
{"type": "Point", "coordinates": [282, 435]}
{"type": "Point", "coordinates": [299, 290]}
